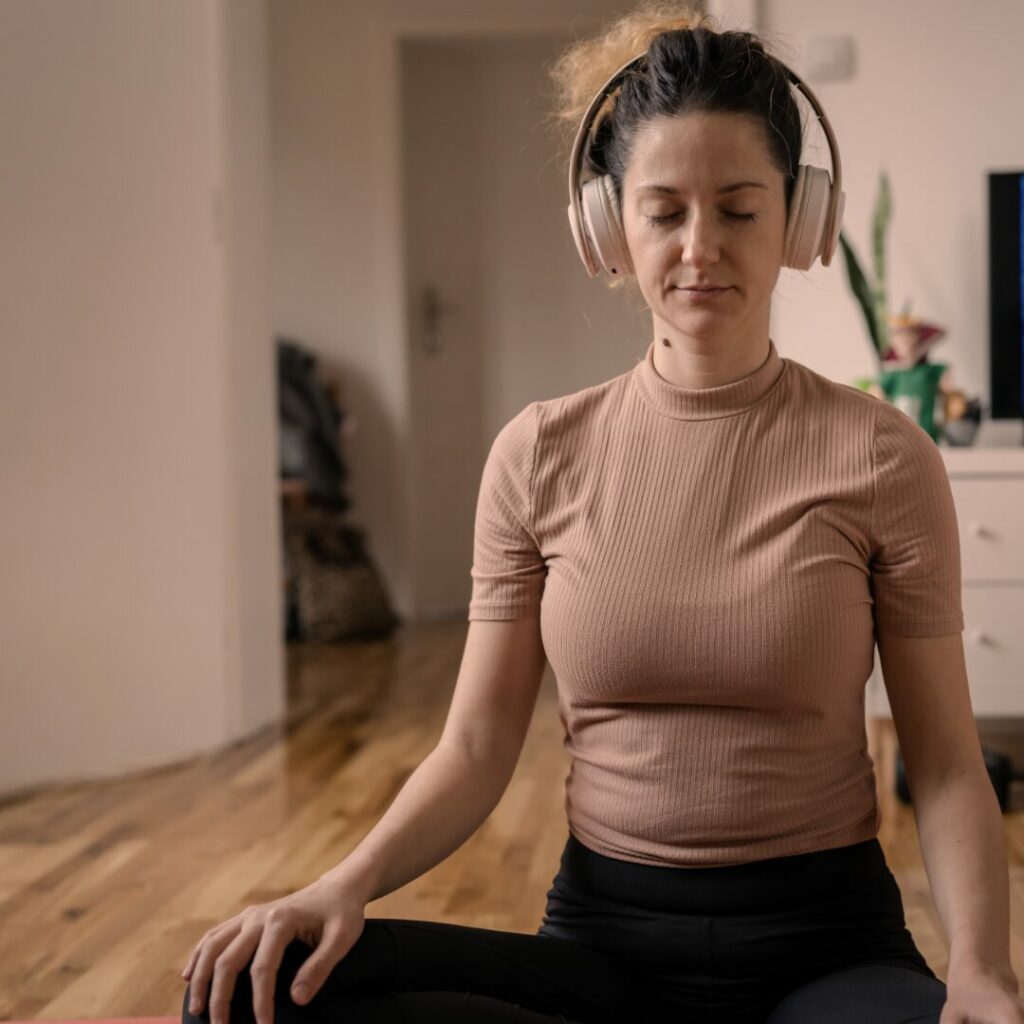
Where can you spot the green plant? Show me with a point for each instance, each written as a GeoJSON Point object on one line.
{"type": "Point", "coordinates": [872, 296]}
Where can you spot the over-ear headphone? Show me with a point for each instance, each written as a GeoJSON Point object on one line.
{"type": "Point", "coordinates": [812, 228]}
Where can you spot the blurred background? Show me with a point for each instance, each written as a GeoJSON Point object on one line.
{"type": "Point", "coordinates": [275, 272]}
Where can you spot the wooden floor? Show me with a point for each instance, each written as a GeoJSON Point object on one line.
{"type": "Point", "coordinates": [106, 887]}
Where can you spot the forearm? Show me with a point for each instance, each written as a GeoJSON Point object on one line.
{"type": "Point", "coordinates": [963, 845]}
{"type": "Point", "coordinates": [443, 802]}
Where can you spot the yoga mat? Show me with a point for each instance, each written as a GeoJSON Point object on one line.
{"type": "Point", "coordinates": [99, 1020]}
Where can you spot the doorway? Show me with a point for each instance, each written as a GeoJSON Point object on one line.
{"type": "Point", "coordinates": [500, 311]}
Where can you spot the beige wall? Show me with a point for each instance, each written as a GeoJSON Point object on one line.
{"type": "Point", "coordinates": [336, 242]}
{"type": "Point", "coordinates": [254, 635]}
{"type": "Point", "coordinates": [140, 597]}
{"type": "Point", "coordinates": [935, 100]}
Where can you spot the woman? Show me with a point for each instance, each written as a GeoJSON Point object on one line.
{"type": "Point", "coordinates": [705, 548]}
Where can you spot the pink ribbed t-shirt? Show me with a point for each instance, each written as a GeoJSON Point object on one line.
{"type": "Point", "coordinates": [711, 567]}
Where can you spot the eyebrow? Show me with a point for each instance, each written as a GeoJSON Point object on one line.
{"type": "Point", "coordinates": [671, 191]}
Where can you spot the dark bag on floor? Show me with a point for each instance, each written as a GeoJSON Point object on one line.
{"type": "Point", "coordinates": [338, 592]}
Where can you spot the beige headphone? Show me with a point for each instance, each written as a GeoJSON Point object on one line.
{"type": "Point", "coordinates": [815, 217]}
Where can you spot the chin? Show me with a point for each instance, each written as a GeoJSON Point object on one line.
{"type": "Point", "coordinates": [706, 330]}
{"type": "Point", "coordinates": [685, 314]}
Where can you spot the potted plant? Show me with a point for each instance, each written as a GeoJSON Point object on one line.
{"type": "Point", "coordinates": [901, 344]}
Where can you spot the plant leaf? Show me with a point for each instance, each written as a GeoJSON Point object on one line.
{"type": "Point", "coordinates": [861, 289]}
{"type": "Point", "coordinates": [883, 214]}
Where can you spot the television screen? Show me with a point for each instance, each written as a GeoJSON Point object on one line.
{"type": "Point", "coordinates": [1006, 293]}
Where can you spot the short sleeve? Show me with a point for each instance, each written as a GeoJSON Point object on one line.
{"type": "Point", "coordinates": [915, 540]}
{"type": "Point", "coordinates": [508, 570]}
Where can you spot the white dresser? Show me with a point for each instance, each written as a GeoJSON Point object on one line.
{"type": "Point", "coordinates": [988, 490]}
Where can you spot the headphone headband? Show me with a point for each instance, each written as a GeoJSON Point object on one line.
{"type": "Point", "coordinates": [575, 160]}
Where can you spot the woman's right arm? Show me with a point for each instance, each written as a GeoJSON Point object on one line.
{"type": "Point", "coordinates": [441, 804]}
{"type": "Point", "coordinates": [457, 785]}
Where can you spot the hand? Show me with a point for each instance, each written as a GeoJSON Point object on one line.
{"type": "Point", "coordinates": [977, 995]}
{"type": "Point", "coordinates": [326, 915]}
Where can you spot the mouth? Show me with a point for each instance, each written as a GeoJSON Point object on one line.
{"type": "Point", "coordinates": [702, 294]}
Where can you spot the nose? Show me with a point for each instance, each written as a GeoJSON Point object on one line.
{"type": "Point", "coordinates": [700, 242]}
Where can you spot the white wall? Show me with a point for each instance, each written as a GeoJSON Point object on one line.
{"type": "Point", "coordinates": [935, 100]}
{"type": "Point", "coordinates": [140, 605]}
{"type": "Point", "coordinates": [254, 635]}
{"type": "Point", "coordinates": [337, 246]}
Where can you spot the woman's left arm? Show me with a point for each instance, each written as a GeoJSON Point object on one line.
{"type": "Point", "coordinates": [959, 823]}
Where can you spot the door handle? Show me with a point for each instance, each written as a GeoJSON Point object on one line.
{"type": "Point", "coordinates": [433, 311]}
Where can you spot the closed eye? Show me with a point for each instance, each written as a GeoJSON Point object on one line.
{"type": "Point", "coordinates": [732, 216]}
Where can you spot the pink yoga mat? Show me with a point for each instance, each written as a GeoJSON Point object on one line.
{"type": "Point", "coordinates": [100, 1020]}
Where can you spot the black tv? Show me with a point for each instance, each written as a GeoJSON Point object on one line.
{"type": "Point", "coordinates": [1006, 293]}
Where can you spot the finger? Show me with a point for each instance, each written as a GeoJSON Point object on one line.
{"type": "Point", "coordinates": [225, 971]}
{"type": "Point", "coordinates": [309, 978]}
{"type": "Point", "coordinates": [206, 956]}
{"type": "Point", "coordinates": [191, 961]}
{"type": "Point", "coordinates": [277, 933]}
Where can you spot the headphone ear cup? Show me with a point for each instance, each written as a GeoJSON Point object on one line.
{"type": "Point", "coordinates": [805, 227]}
{"type": "Point", "coordinates": [603, 222]}
{"type": "Point", "coordinates": [579, 236]}
{"type": "Point", "coordinates": [829, 252]}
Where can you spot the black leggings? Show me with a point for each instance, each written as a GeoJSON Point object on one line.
{"type": "Point", "coordinates": [816, 938]}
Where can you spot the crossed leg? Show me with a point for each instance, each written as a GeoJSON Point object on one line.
{"type": "Point", "coordinates": [879, 993]}
{"type": "Point", "coordinates": [429, 972]}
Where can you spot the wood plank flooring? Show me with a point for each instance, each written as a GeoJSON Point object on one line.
{"type": "Point", "coordinates": [106, 886]}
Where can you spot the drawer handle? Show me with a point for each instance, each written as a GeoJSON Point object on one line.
{"type": "Point", "coordinates": [979, 636]}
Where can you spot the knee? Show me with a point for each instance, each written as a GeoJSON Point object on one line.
{"type": "Point", "coordinates": [240, 1005]}
{"type": "Point", "coordinates": [882, 993]}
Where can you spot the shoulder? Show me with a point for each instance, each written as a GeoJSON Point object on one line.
{"type": "Point", "coordinates": [834, 421]}
{"type": "Point", "coordinates": [838, 413]}
{"type": "Point", "coordinates": [820, 396]}
{"type": "Point", "coordinates": [508, 468]}
{"type": "Point", "coordinates": [546, 420]}
{"type": "Point", "coordinates": [565, 414]}
{"type": "Point", "coordinates": [903, 450]}
{"type": "Point", "coordinates": [555, 432]}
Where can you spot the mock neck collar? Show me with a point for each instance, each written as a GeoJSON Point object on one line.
{"type": "Point", "coordinates": [707, 403]}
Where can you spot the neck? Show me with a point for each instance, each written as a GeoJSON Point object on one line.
{"type": "Point", "coordinates": [737, 395]}
{"type": "Point", "coordinates": [708, 360]}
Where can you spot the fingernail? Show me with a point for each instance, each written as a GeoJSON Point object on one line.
{"type": "Point", "coordinates": [301, 992]}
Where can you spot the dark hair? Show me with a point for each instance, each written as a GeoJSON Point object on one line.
{"type": "Point", "coordinates": [688, 68]}
{"type": "Point", "coordinates": [701, 71]}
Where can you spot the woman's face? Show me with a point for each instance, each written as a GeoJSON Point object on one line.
{"type": "Point", "coordinates": [682, 229]}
